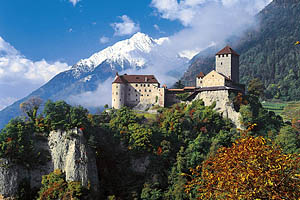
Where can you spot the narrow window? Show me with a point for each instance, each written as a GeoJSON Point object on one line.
{"type": "Point", "coordinates": [116, 93]}
{"type": "Point", "coordinates": [140, 90]}
{"type": "Point", "coordinates": [144, 85]}
{"type": "Point", "coordinates": [147, 95]}
{"type": "Point", "coordinates": [200, 81]}
{"type": "Point", "coordinates": [116, 86]}
{"type": "Point", "coordinates": [145, 90]}
{"type": "Point", "coordinates": [148, 85]}
{"type": "Point", "coordinates": [114, 100]}
{"type": "Point", "coordinates": [136, 100]}
{"type": "Point", "coordinates": [136, 95]}
{"type": "Point", "coordinates": [221, 63]}
{"type": "Point", "coordinates": [149, 90]}
{"type": "Point", "coordinates": [141, 95]}
{"type": "Point", "coordinates": [129, 89]}
{"type": "Point", "coordinates": [136, 85]}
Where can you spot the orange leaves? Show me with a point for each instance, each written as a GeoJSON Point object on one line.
{"type": "Point", "coordinates": [249, 169]}
{"type": "Point", "coordinates": [297, 43]}
{"type": "Point", "coordinates": [159, 151]}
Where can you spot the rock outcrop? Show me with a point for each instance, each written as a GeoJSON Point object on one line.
{"type": "Point", "coordinates": [68, 151]}
{"type": "Point", "coordinates": [223, 104]}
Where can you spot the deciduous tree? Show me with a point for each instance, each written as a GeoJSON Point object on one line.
{"type": "Point", "coordinates": [250, 169]}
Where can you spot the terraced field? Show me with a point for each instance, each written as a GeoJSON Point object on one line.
{"type": "Point", "coordinates": [288, 110]}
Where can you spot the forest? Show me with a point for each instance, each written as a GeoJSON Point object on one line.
{"type": "Point", "coordinates": [192, 152]}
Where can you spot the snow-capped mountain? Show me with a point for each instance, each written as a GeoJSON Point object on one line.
{"type": "Point", "coordinates": [133, 52]}
{"type": "Point", "coordinates": [139, 51]}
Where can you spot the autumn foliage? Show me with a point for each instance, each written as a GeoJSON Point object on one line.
{"type": "Point", "coordinates": [250, 169]}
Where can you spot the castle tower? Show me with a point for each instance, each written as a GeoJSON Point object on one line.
{"type": "Point", "coordinates": [227, 63]}
{"type": "Point", "coordinates": [118, 92]}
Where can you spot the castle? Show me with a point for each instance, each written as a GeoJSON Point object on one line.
{"type": "Point", "coordinates": [132, 90]}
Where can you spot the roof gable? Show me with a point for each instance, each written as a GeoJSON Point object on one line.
{"type": "Point", "coordinates": [135, 79]}
{"type": "Point", "coordinates": [227, 50]}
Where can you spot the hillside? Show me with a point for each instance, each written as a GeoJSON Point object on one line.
{"type": "Point", "coordinates": [267, 52]}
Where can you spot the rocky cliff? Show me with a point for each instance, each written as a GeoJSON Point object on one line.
{"type": "Point", "coordinates": [68, 151]}
{"type": "Point", "coordinates": [223, 104]}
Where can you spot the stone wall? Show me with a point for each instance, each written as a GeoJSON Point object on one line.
{"type": "Point", "coordinates": [213, 79]}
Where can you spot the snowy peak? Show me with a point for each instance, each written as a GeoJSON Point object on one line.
{"type": "Point", "coordinates": [132, 51]}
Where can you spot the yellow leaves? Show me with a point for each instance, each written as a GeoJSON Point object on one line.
{"type": "Point", "coordinates": [248, 170]}
{"type": "Point", "coordinates": [297, 43]}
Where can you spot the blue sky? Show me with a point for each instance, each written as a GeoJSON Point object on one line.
{"type": "Point", "coordinates": [40, 38]}
{"type": "Point", "coordinates": [59, 30]}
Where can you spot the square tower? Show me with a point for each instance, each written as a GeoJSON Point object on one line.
{"type": "Point", "coordinates": [227, 63]}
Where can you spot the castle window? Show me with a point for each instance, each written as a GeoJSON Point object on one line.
{"type": "Point", "coordinates": [116, 86]}
{"type": "Point", "coordinates": [147, 95]}
{"type": "Point", "coordinates": [140, 90]}
{"type": "Point", "coordinates": [145, 90]}
{"type": "Point", "coordinates": [141, 85]}
{"type": "Point", "coordinates": [226, 55]}
{"type": "Point", "coordinates": [129, 90]}
{"type": "Point", "coordinates": [200, 81]}
{"type": "Point", "coordinates": [128, 94]}
{"type": "Point", "coordinates": [136, 95]}
{"type": "Point", "coordinates": [219, 56]}
{"type": "Point", "coordinates": [142, 95]}
{"type": "Point", "coordinates": [223, 55]}
{"type": "Point", "coordinates": [149, 90]}
{"type": "Point", "coordinates": [135, 99]}
{"type": "Point", "coordinates": [213, 75]}
{"type": "Point", "coordinates": [221, 63]}
{"type": "Point", "coordinates": [136, 85]}
{"type": "Point", "coordinates": [116, 93]}
{"type": "Point", "coordinates": [148, 85]}
{"type": "Point", "coordinates": [120, 99]}
{"type": "Point", "coordinates": [114, 100]}
{"type": "Point", "coordinates": [144, 85]}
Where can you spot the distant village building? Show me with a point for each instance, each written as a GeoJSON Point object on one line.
{"type": "Point", "coordinates": [131, 90]}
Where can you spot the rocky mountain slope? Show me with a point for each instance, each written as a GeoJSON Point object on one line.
{"type": "Point", "coordinates": [267, 52]}
{"type": "Point", "coordinates": [84, 76]}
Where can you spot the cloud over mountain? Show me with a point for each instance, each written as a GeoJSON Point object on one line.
{"type": "Point", "coordinates": [207, 22]}
{"type": "Point", "coordinates": [126, 27]}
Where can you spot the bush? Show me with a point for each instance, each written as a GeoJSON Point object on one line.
{"type": "Point", "coordinates": [55, 186]}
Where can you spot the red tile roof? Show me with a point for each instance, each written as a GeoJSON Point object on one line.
{"type": "Point", "coordinates": [200, 75]}
{"type": "Point", "coordinates": [135, 79]}
{"type": "Point", "coordinates": [227, 50]}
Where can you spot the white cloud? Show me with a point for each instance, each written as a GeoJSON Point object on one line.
{"type": "Point", "coordinates": [207, 22]}
{"type": "Point", "coordinates": [19, 76]}
{"type": "Point", "coordinates": [97, 98]}
{"type": "Point", "coordinates": [126, 27]}
{"type": "Point", "coordinates": [104, 40]}
{"type": "Point", "coordinates": [187, 11]}
{"type": "Point", "coordinates": [74, 2]}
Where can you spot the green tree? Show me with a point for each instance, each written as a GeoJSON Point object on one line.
{"type": "Point", "coordinates": [30, 107]}
{"type": "Point", "coordinates": [256, 87]}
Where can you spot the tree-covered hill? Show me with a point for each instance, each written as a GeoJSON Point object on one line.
{"type": "Point", "coordinates": [267, 53]}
